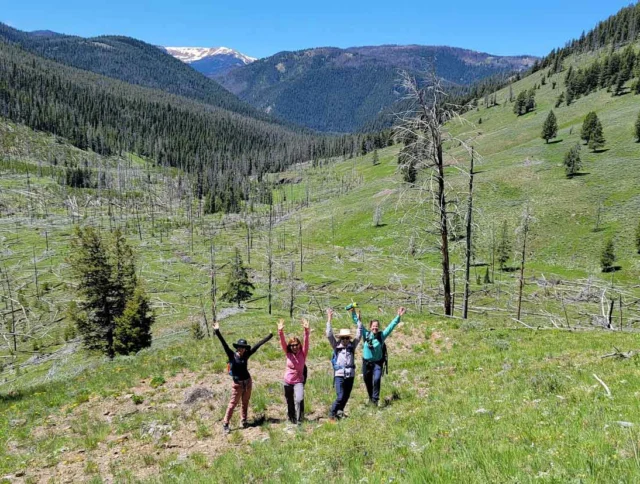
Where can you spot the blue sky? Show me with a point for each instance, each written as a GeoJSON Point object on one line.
{"type": "Point", "coordinates": [262, 28]}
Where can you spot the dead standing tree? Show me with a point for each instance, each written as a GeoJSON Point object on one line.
{"type": "Point", "coordinates": [524, 231]}
{"type": "Point", "coordinates": [422, 129]}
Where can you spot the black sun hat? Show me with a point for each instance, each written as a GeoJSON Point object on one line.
{"type": "Point", "coordinates": [242, 343]}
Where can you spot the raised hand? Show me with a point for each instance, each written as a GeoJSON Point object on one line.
{"type": "Point", "coordinates": [216, 326]}
{"type": "Point", "coordinates": [305, 323]}
{"type": "Point", "coordinates": [401, 311]}
{"type": "Point", "coordinates": [329, 314]}
{"type": "Point", "coordinates": [280, 324]}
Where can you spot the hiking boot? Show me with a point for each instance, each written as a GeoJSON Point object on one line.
{"type": "Point", "coordinates": [245, 424]}
{"type": "Point", "coordinates": [339, 414]}
{"type": "Point", "coordinates": [226, 429]}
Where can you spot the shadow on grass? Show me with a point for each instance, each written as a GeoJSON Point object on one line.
{"type": "Point", "coordinates": [380, 225]}
{"type": "Point", "coordinates": [480, 264]}
{"type": "Point", "coordinates": [260, 420]}
{"type": "Point", "coordinates": [555, 141]}
{"type": "Point", "coordinates": [604, 150]}
{"type": "Point", "coordinates": [509, 269]}
{"type": "Point", "coordinates": [580, 173]}
{"type": "Point", "coordinates": [609, 270]}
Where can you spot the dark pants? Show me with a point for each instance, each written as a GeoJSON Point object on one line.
{"type": "Point", "coordinates": [343, 392]}
{"type": "Point", "coordinates": [372, 373]}
{"type": "Point", "coordinates": [294, 394]}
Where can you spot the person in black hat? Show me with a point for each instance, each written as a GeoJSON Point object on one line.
{"type": "Point", "coordinates": [237, 368]}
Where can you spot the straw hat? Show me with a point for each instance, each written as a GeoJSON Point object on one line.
{"type": "Point", "coordinates": [344, 333]}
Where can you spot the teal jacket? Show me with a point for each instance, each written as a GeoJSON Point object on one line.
{"type": "Point", "coordinates": [372, 347]}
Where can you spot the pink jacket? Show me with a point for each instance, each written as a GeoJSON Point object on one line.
{"type": "Point", "coordinates": [295, 362]}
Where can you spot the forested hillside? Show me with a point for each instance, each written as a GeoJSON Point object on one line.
{"type": "Point", "coordinates": [112, 117]}
{"type": "Point", "coordinates": [132, 61]}
{"type": "Point", "coordinates": [340, 90]}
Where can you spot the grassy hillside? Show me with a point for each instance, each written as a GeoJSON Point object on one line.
{"type": "Point", "coordinates": [486, 399]}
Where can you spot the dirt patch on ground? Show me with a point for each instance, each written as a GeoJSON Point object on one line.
{"type": "Point", "coordinates": [439, 342]}
{"type": "Point", "coordinates": [385, 193]}
{"type": "Point", "coordinates": [144, 430]}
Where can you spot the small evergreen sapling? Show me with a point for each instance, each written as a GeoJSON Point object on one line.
{"type": "Point", "coordinates": [596, 140]}
{"type": "Point", "coordinates": [608, 256]}
{"type": "Point", "coordinates": [637, 129]}
{"type": "Point", "coordinates": [375, 160]}
{"type": "Point", "coordinates": [638, 238]}
{"type": "Point", "coordinates": [133, 327]}
{"type": "Point", "coordinates": [550, 127]}
{"type": "Point", "coordinates": [504, 246]}
{"type": "Point", "coordinates": [572, 161]}
{"type": "Point", "coordinates": [239, 288]}
{"type": "Point", "coordinates": [587, 126]}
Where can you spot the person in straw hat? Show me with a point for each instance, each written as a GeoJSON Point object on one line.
{"type": "Point", "coordinates": [344, 364]}
{"type": "Point", "coordinates": [237, 368]}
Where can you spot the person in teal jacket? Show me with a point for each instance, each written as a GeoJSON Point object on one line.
{"type": "Point", "coordinates": [373, 357]}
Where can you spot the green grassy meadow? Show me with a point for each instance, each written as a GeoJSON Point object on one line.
{"type": "Point", "coordinates": [481, 400]}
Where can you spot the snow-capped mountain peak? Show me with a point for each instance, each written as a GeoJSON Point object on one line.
{"type": "Point", "coordinates": [193, 54]}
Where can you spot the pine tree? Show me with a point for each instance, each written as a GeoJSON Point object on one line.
{"type": "Point", "coordinates": [550, 127]}
{"type": "Point", "coordinates": [520, 104]}
{"type": "Point", "coordinates": [133, 328]}
{"type": "Point", "coordinates": [588, 126]}
{"type": "Point", "coordinates": [596, 140]}
{"type": "Point", "coordinates": [238, 285]}
{"type": "Point", "coordinates": [123, 272]}
{"type": "Point", "coordinates": [487, 278]}
{"type": "Point", "coordinates": [572, 161]}
{"type": "Point", "coordinates": [376, 158]}
{"type": "Point", "coordinates": [608, 256]}
{"type": "Point", "coordinates": [504, 246]}
{"type": "Point", "coordinates": [530, 104]}
{"type": "Point", "coordinates": [90, 264]}
{"type": "Point", "coordinates": [108, 288]}
{"type": "Point", "coordinates": [638, 128]}
{"type": "Point", "coordinates": [638, 237]}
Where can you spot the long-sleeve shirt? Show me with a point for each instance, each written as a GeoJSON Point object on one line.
{"type": "Point", "coordinates": [372, 347]}
{"type": "Point", "coordinates": [238, 364]}
{"type": "Point", "coordinates": [345, 364]}
{"type": "Point", "coordinates": [294, 373]}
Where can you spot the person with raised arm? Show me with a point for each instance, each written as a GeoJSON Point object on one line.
{"type": "Point", "coordinates": [237, 367]}
{"type": "Point", "coordinates": [344, 364]}
{"type": "Point", "coordinates": [295, 373]}
{"type": "Point", "coordinates": [374, 351]}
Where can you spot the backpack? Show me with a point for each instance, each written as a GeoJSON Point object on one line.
{"type": "Point", "coordinates": [334, 358]}
{"type": "Point", "coordinates": [385, 355]}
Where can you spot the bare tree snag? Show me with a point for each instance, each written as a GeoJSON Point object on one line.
{"type": "Point", "coordinates": [465, 307]}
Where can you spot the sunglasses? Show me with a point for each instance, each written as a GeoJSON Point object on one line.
{"type": "Point", "coordinates": [294, 345]}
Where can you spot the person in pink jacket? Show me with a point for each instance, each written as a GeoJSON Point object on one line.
{"type": "Point", "coordinates": [295, 373]}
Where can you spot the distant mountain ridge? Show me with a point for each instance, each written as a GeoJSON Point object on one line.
{"type": "Point", "coordinates": [210, 61]}
{"type": "Point", "coordinates": [340, 90]}
{"type": "Point", "coordinates": [129, 60]}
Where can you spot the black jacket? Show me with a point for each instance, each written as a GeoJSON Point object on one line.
{"type": "Point", "coordinates": [238, 365]}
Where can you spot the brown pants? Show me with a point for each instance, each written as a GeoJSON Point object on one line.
{"type": "Point", "coordinates": [240, 392]}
